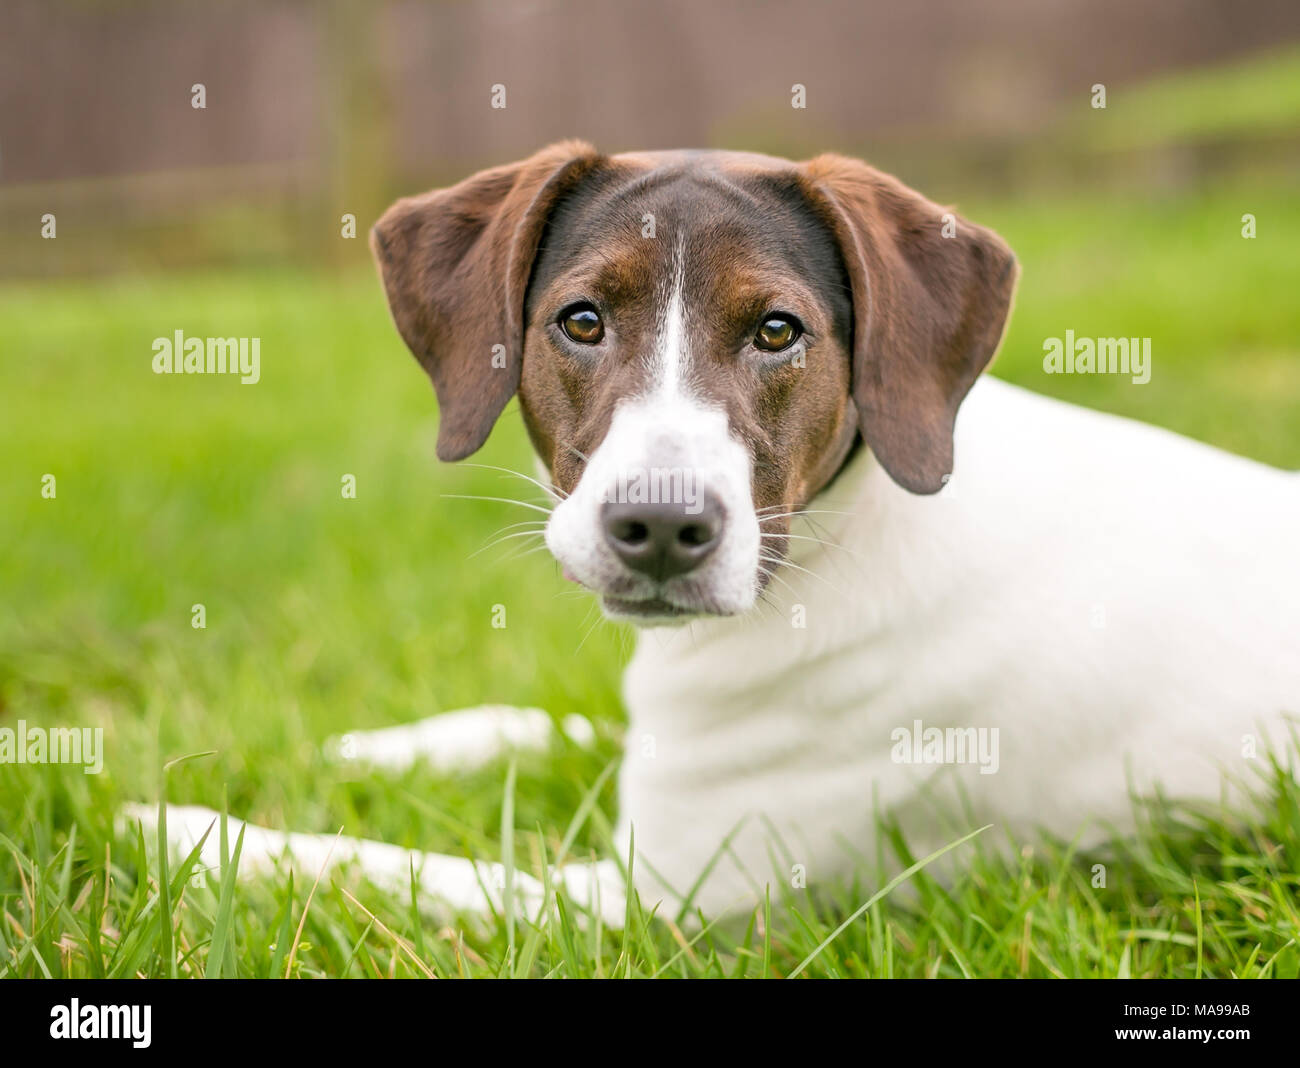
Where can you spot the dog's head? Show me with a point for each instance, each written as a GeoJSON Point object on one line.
{"type": "Point", "coordinates": [697, 340]}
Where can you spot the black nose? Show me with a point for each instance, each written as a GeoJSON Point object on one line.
{"type": "Point", "coordinates": [663, 540]}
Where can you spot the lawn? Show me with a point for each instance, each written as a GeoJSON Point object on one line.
{"type": "Point", "coordinates": [325, 613]}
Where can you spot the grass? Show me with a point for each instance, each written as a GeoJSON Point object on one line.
{"type": "Point", "coordinates": [325, 614]}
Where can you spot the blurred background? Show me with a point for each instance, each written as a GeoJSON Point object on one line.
{"type": "Point", "coordinates": [315, 108]}
{"type": "Point", "coordinates": [326, 612]}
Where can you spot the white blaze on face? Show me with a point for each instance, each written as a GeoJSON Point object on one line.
{"type": "Point", "coordinates": [671, 345]}
{"type": "Point", "coordinates": [665, 437]}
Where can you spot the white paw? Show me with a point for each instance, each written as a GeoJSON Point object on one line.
{"type": "Point", "coordinates": [457, 741]}
{"type": "Point", "coordinates": [187, 825]}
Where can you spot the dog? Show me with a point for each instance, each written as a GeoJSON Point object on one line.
{"type": "Point", "coordinates": [870, 580]}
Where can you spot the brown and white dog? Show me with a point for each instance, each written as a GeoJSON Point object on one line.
{"type": "Point", "coordinates": [742, 377]}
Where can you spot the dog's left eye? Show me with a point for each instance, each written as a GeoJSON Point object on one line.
{"type": "Point", "coordinates": [582, 323]}
{"type": "Point", "coordinates": [777, 332]}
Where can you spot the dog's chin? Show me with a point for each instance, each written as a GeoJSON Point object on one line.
{"type": "Point", "coordinates": [649, 612]}
{"type": "Point", "coordinates": [626, 598]}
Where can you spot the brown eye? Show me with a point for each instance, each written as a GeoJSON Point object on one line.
{"type": "Point", "coordinates": [777, 333]}
{"type": "Point", "coordinates": [582, 324]}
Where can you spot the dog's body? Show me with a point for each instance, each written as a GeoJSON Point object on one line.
{"type": "Point", "coordinates": [1083, 604]}
{"type": "Point", "coordinates": [1072, 588]}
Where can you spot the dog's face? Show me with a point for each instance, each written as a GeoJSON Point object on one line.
{"type": "Point", "coordinates": [688, 389]}
{"type": "Point", "coordinates": [697, 341]}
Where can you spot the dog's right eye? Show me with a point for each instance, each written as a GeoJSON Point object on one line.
{"type": "Point", "coordinates": [777, 332]}
{"type": "Point", "coordinates": [581, 323]}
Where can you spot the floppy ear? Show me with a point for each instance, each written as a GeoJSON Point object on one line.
{"type": "Point", "coordinates": [455, 263]}
{"type": "Point", "coordinates": [928, 312]}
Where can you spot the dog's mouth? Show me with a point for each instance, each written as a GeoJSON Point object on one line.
{"type": "Point", "coordinates": [650, 601]}
{"type": "Point", "coordinates": [647, 609]}
{"type": "Point", "coordinates": [655, 608]}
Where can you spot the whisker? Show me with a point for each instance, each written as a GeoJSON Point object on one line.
{"type": "Point", "coordinates": [499, 500]}
{"type": "Point", "coordinates": [805, 537]}
{"type": "Point", "coordinates": [576, 452]}
{"type": "Point", "coordinates": [590, 630]}
{"type": "Point", "coordinates": [536, 524]}
{"type": "Point", "coordinates": [526, 552]}
{"type": "Point", "coordinates": [504, 538]}
{"type": "Point", "coordinates": [786, 563]}
{"type": "Point", "coordinates": [774, 577]}
{"type": "Point", "coordinates": [766, 604]}
{"type": "Point", "coordinates": [554, 491]}
{"type": "Point", "coordinates": [820, 529]}
{"type": "Point", "coordinates": [805, 511]}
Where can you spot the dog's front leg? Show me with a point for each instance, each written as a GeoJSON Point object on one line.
{"type": "Point", "coordinates": [458, 741]}
{"type": "Point", "coordinates": [447, 883]}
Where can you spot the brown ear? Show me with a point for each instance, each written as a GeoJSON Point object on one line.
{"type": "Point", "coordinates": [928, 312]}
{"type": "Point", "coordinates": [455, 263]}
